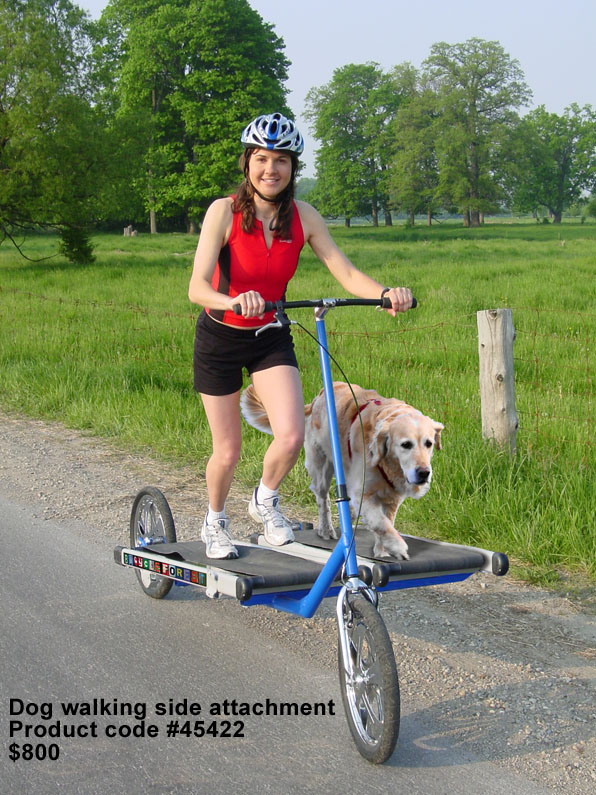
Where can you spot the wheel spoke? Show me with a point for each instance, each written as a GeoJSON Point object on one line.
{"type": "Point", "coordinates": [371, 693]}
{"type": "Point", "coordinates": [372, 712]}
{"type": "Point", "coordinates": [151, 521]}
{"type": "Point", "coordinates": [375, 677]}
{"type": "Point", "coordinates": [144, 519]}
{"type": "Point", "coordinates": [367, 686]}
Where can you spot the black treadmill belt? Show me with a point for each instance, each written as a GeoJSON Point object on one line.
{"type": "Point", "coordinates": [425, 556]}
{"type": "Point", "coordinates": [267, 566]}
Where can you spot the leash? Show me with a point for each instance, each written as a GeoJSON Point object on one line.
{"type": "Point", "coordinates": [358, 413]}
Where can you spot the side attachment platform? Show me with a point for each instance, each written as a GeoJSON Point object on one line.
{"type": "Point", "coordinates": [431, 562]}
{"type": "Point", "coordinates": [262, 573]}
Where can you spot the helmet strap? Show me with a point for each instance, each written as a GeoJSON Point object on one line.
{"type": "Point", "coordinates": [275, 200]}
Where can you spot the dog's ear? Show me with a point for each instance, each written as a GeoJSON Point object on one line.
{"type": "Point", "coordinates": [378, 448]}
{"type": "Point", "coordinates": [438, 428]}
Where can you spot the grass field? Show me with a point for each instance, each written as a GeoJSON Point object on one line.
{"type": "Point", "coordinates": [108, 348]}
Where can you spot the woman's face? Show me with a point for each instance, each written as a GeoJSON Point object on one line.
{"type": "Point", "coordinates": [270, 172]}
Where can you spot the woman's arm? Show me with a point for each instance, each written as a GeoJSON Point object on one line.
{"type": "Point", "coordinates": [351, 279]}
{"type": "Point", "coordinates": [215, 233]}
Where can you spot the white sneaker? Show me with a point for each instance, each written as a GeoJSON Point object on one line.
{"type": "Point", "coordinates": [218, 539]}
{"type": "Point", "coordinates": [278, 531]}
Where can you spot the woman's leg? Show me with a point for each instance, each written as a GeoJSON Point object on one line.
{"type": "Point", "coordinates": [223, 416]}
{"type": "Point", "coordinates": [280, 390]}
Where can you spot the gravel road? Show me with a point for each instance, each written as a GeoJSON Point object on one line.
{"type": "Point", "coordinates": [500, 669]}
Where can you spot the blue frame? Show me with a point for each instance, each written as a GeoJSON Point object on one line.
{"type": "Point", "coordinates": [292, 604]}
{"type": "Point", "coordinates": [344, 551]}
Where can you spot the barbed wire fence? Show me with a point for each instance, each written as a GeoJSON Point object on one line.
{"type": "Point", "coordinates": [435, 365]}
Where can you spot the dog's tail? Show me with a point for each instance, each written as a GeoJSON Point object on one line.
{"type": "Point", "coordinates": [254, 412]}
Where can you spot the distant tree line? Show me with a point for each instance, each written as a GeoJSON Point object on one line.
{"type": "Point", "coordinates": [446, 137]}
{"type": "Point", "coordinates": [135, 119]}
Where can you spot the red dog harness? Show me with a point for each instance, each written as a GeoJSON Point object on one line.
{"type": "Point", "coordinates": [357, 414]}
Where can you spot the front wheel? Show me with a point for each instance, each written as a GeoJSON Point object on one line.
{"type": "Point", "coordinates": [370, 694]}
{"type": "Point", "coordinates": [151, 522]}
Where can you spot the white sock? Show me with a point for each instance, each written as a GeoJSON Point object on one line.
{"type": "Point", "coordinates": [265, 493]}
{"type": "Point", "coordinates": [213, 516]}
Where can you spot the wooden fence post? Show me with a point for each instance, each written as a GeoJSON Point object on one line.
{"type": "Point", "coordinates": [497, 379]}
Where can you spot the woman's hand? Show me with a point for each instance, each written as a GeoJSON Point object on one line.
{"type": "Point", "coordinates": [252, 303]}
{"type": "Point", "coordinates": [401, 299]}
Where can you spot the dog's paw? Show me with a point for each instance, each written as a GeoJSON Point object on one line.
{"type": "Point", "coordinates": [328, 532]}
{"type": "Point", "coordinates": [391, 546]}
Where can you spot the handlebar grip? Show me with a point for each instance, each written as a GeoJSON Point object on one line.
{"type": "Point", "coordinates": [269, 307]}
{"type": "Point", "coordinates": [387, 303]}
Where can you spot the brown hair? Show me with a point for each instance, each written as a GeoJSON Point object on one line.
{"type": "Point", "coordinates": [244, 201]}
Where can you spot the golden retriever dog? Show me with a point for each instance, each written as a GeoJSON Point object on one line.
{"type": "Point", "coordinates": [396, 453]}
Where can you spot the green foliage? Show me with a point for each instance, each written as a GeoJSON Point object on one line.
{"type": "Point", "coordinates": [351, 116]}
{"type": "Point", "coordinates": [478, 87]}
{"type": "Point", "coordinates": [420, 141]}
{"type": "Point", "coordinates": [76, 246]}
{"type": "Point", "coordinates": [555, 159]}
{"type": "Point", "coordinates": [141, 111]}
{"type": "Point", "coordinates": [192, 75]}
{"type": "Point", "coordinates": [56, 153]}
{"type": "Point", "coordinates": [137, 117]}
{"type": "Point", "coordinates": [591, 207]}
{"type": "Point", "coordinates": [414, 176]}
{"type": "Point", "coordinates": [338, 113]}
{"type": "Point", "coordinates": [304, 187]}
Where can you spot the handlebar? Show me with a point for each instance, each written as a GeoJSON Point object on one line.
{"type": "Point", "coordinates": [270, 306]}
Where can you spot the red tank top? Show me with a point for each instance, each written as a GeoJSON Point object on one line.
{"type": "Point", "coordinates": [245, 263]}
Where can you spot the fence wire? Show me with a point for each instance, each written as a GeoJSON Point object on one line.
{"type": "Point", "coordinates": [432, 366]}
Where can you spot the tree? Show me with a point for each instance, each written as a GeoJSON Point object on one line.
{"type": "Point", "coordinates": [51, 149]}
{"type": "Point", "coordinates": [414, 176]}
{"type": "Point", "coordinates": [304, 187]}
{"type": "Point", "coordinates": [478, 86]}
{"type": "Point", "coordinates": [394, 91]}
{"type": "Point", "coordinates": [192, 75]}
{"type": "Point", "coordinates": [555, 159]}
{"type": "Point", "coordinates": [338, 190]}
{"type": "Point", "coordinates": [351, 116]}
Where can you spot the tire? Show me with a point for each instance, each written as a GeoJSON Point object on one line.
{"type": "Point", "coordinates": [151, 517]}
{"type": "Point", "coordinates": [372, 706]}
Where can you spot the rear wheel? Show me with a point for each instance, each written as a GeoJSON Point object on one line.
{"type": "Point", "coordinates": [371, 694]}
{"type": "Point", "coordinates": [151, 522]}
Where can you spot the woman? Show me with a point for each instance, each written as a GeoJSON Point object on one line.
{"type": "Point", "coordinates": [247, 253]}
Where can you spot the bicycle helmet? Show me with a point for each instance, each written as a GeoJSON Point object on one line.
{"type": "Point", "coordinates": [273, 132]}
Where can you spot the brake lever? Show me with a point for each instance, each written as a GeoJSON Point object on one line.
{"type": "Point", "coordinates": [279, 322]}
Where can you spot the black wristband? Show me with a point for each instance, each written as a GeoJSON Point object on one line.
{"type": "Point", "coordinates": [385, 290]}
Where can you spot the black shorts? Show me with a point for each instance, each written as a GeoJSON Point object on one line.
{"type": "Point", "coordinates": [221, 353]}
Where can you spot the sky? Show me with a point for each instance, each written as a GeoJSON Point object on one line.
{"type": "Point", "coordinates": [552, 40]}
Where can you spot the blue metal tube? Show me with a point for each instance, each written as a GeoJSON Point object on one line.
{"type": "Point", "coordinates": [307, 606]}
{"type": "Point", "coordinates": [343, 504]}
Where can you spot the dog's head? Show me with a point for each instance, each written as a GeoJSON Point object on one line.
{"type": "Point", "coordinates": [406, 440]}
